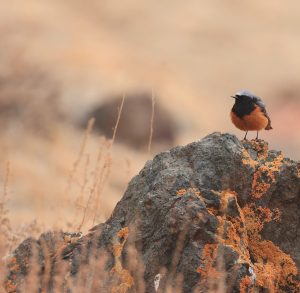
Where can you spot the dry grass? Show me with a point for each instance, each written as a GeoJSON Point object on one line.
{"type": "Point", "coordinates": [151, 121]}
{"type": "Point", "coordinates": [4, 220]}
{"type": "Point", "coordinates": [5, 229]}
{"type": "Point", "coordinates": [88, 177]}
{"type": "Point", "coordinates": [80, 201]}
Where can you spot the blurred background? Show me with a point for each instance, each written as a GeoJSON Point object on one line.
{"type": "Point", "coordinates": [63, 62]}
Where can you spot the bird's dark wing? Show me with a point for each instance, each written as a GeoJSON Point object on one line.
{"type": "Point", "coordinates": [262, 107]}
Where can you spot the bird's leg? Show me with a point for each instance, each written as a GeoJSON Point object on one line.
{"type": "Point", "coordinates": [245, 138]}
{"type": "Point", "coordinates": [256, 135]}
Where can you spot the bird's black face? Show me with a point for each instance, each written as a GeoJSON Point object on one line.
{"type": "Point", "coordinates": [243, 105]}
{"type": "Point", "coordinates": [243, 99]}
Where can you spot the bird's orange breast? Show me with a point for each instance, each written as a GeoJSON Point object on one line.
{"type": "Point", "coordinates": [256, 120]}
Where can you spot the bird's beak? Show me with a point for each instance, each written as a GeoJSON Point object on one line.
{"type": "Point", "coordinates": [234, 97]}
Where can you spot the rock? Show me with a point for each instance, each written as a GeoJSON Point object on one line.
{"type": "Point", "coordinates": [40, 257]}
{"type": "Point", "coordinates": [135, 120]}
{"type": "Point", "coordinates": [217, 214]}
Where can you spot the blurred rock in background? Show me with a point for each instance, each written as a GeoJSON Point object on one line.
{"type": "Point", "coordinates": [135, 120]}
{"type": "Point", "coordinates": [29, 98]}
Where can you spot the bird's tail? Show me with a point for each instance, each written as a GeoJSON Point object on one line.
{"type": "Point", "coordinates": [269, 127]}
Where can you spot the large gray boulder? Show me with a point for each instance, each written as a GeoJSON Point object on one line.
{"type": "Point", "coordinates": [215, 214]}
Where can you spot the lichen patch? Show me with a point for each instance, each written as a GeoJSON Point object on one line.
{"type": "Point", "coordinates": [184, 191]}
{"type": "Point", "coordinates": [273, 269]}
{"type": "Point", "coordinates": [126, 281]}
{"type": "Point", "coordinates": [247, 160]}
{"type": "Point", "coordinates": [265, 176]}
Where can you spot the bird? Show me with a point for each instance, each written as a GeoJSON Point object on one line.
{"type": "Point", "coordinates": [249, 113]}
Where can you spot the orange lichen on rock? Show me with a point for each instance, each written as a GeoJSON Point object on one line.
{"type": "Point", "coordinates": [247, 160]}
{"type": "Point", "coordinates": [123, 233]}
{"type": "Point", "coordinates": [235, 234]}
{"type": "Point", "coordinates": [259, 188]}
{"type": "Point", "coordinates": [261, 148]}
{"type": "Point", "coordinates": [126, 280]}
{"type": "Point", "coordinates": [273, 267]}
{"type": "Point", "coordinates": [209, 256]}
{"type": "Point", "coordinates": [274, 166]}
{"type": "Point", "coordinates": [117, 250]}
{"type": "Point", "coordinates": [14, 267]}
{"type": "Point", "coordinates": [10, 287]}
{"type": "Point", "coordinates": [246, 284]}
{"type": "Point", "coordinates": [183, 191]}
{"type": "Point", "coordinates": [264, 176]}
{"type": "Point", "coordinates": [225, 196]}
{"type": "Point", "coordinates": [255, 218]}
{"type": "Point", "coordinates": [212, 211]}
{"type": "Point", "coordinates": [265, 171]}
{"type": "Point", "coordinates": [231, 232]}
